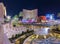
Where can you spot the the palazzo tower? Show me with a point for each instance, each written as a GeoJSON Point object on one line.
{"type": "Point", "coordinates": [2, 12]}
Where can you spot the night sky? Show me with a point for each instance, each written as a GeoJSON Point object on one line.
{"type": "Point", "coordinates": [43, 6]}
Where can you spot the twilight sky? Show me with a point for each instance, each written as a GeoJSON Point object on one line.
{"type": "Point", "coordinates": [43, 6]}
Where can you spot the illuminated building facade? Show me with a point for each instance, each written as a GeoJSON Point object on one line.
{"type": "Point", "coordinates": [41, 18]}
{"type": "Point", "coordinates": [50, 16]}
{"type": "Point", "coordinates": [58, 16]}
{"type": "Point", "coordinates": [2, 12]}
{"type": "Point", "coordinates": [30, 14]}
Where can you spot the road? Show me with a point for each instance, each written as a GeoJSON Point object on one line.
{"type": "Point", "coordinates": [28, 40]}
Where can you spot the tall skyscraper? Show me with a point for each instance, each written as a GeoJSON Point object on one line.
{"type": "Point", "coordinates": [3, 38]}
{"type": "Point", "coordinates": [1, 34]}
{"type": "Point", "coordinates": [2, 12]}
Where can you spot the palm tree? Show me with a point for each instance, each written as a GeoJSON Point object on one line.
{"type": "Point", "coordinates": [20, 14]}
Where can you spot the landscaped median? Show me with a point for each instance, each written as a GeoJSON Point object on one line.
{"type": "Point", "coordinates": [19, 38]}
{"type": "Point", "coordinates": [29, 39]}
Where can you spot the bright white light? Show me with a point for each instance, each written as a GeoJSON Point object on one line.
{"type": "Point", "coordinates": [46, 29]}
{"type": "Point", "coordinates": [51, 17]}
{"type": "Point", "coordinates": [8, 17]}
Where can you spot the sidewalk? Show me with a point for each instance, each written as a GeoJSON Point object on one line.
{"type": "Point", "coordinates": [6, 40]}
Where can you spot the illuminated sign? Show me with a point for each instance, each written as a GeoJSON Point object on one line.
{"type": "Point", "coordinates": [50, 16]}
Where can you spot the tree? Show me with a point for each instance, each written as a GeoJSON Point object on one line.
{"type": "Point", "coordinates": [15, 19]}
{"type": "Point", "coordinates": [20, 14]}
